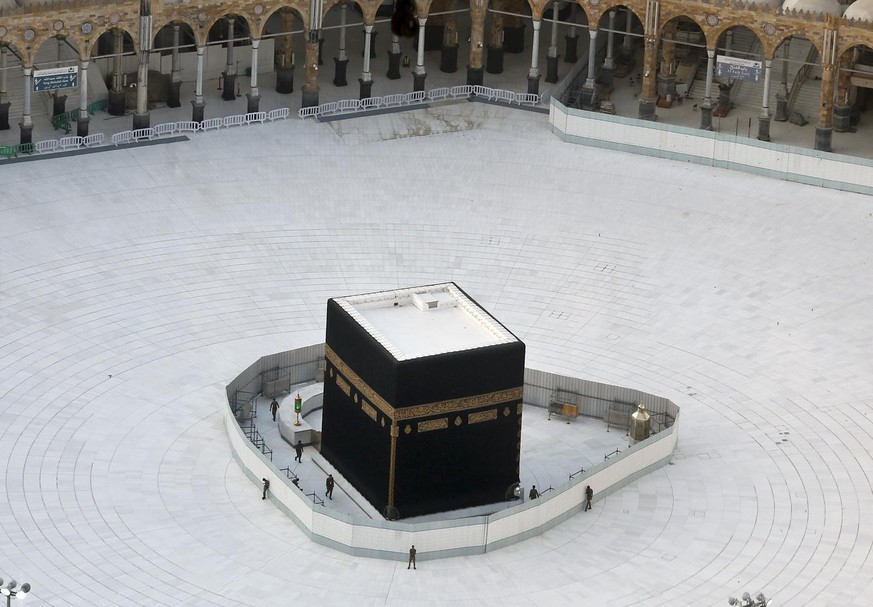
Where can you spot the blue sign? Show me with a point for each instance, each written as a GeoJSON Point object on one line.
{"type": "Point", "coordinates": [734, 68]}
{"type": "Point", "coordinates": [56, 78]}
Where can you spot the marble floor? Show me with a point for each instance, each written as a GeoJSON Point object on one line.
{"type": "Point", "coordinates": [135, 284]}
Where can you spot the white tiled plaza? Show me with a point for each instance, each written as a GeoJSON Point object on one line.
{"type": "Point", "coordinates": [136, 283]}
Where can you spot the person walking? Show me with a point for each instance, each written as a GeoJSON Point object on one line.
{"type": "Point", "coordinates": [274, 408]}
{"type": "Point", "coordinates": [411, 557]}
{"type": "Point", "coordinates": [589, 495]}
{"type": "Point", "coordinates": [266, 488]}
{"type": "Point", "coordinates": [328, 486]}
{"type": "Point", "coordinates": [298, 448]}
{"type": "Point", "coordinates": [533, 493]}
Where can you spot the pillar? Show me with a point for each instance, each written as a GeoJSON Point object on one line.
{"type": "Point", "coordinates": [199, 105]}
{"type": "Point", "coordinates": [310, 72]}
{"type": "Point", "coordinates": [572, 39]}
{"type": "Point", "coordinates": [824, 129]}
{"type": "Point", "coordinates": [83, 120]}
{"type": "Point", "coordinates": [666, 73]}
{"type": "Point", "coordinates": [608, 71]}
{"type": "Point", "coordinates": [648, 91]}
{"type": "Point", "coordinates": [229, 92]}
{"type": "Point", "coordinates": [420, 73]}
{"type": "Point", "coordinates": [4, 104]}
{"type": "Point", "coordinates": [843, 105]}
{"type": "Point", "coordinates": [394, 58]}
{"type": "Point", "coordinates": [494, 63]}
{"type": "Point", "coordinates": [141, 118]}
{"type": "Point", "coordinates": [116, 94]}
{"type": "Point", "coordinates": [627, 50]}
{"type": "Point", "coordinates": [552, 53]}
{"type": "Point", "coordinates": [764, 118]}
{"type": "Point", "coordinates": [475, 71]}
{"type": "Point", "coordinates": [26, 124]}
{"type": "Point", "coordinates": [706, 106]}
{"type": "Point", "coordinates": [533, 77]}
{"type": "Point", "coordinates": [366, 79]}
{"type": "Point", "coordinates": [782, 95]}
{"type": "Point", "coordinates": [254, 96]}
{"type": "Point", "coordinates": [590, 100]}
{"type": "Point", "coordinates": [174, 94]}
{"type": "Point", "coordinates": [449, 48]}
{"type": "Point", "coordinates": [285, 56]}
{"type": "Point", "coordinates": [341, 63]}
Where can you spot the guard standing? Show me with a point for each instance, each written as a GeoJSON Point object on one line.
{"type": "Point", "coordinates": [533, 493]}
{"type": "Point", "coordinates": [328, 485]}
{"type": "Point", "coordinates": [411, 557]}
{"type": "Point", "coordinates": [589, 495]}
{"type": "Point", "coordinates": [274, 408]}
{"type": "Point", "coordinates": [266, 488]}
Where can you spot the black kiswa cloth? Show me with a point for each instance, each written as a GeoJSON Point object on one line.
{"type": "Point", "coordinates": [403, 21]}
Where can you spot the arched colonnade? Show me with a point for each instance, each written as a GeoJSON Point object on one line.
{"type": "Point", "coordinates": [137, 25]}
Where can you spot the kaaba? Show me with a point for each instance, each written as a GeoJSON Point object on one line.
{"type": "Point", "coordinates": [422, 400]}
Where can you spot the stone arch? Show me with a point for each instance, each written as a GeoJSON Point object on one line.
{"type": "Point", "coordinates": [214, 27]}
{"type": "Point", "coordinates": [854, 86]}
{"type": "Point", "coordinates": [682, 45]}
{"type": "Point", "coordinates": [196, 27]}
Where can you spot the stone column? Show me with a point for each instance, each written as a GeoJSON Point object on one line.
{"type": "Point", "coordinates": [394, 58]}
{"type": "Point", "coordinates": [254, 96]}
{"type": "Point", "coordinates": [116, 94]}
{"type": "Point", "coordinates": [590, 97]}
{"type": "Point", "coordinates": [83, 120]}
{"type": "Point", "coordinates": [728, 42]}
{"type": "Point", "coordinates": [843, 105]}
{"type": "Point", "coordinates": [285, 54]}
{"type": "Point", "coordinates": [310, 72]}
{"type": "Point", "coordinates": [608, 71]}
{"type": "Point", "coordinates": [60, 101]}
{"type": "Point", "coordinates": [142, 119]}
{"type": "Point", "coordinates": [199, 105]}
{"type": "Point", "coordinates": [666, 74]}
{"type": "Point", "coordinates": [175, 93]}
{"type": "Point", "coordinates": [572, 39]}
{"type": "Point", "coordinates": [4, 103]}
{"type": "Point", "coordinates": [782, 95]}
{"type": "Point", "coordinates": [764, 118]}
{"type": "Point", "coordinates": [627, 50]}
{"type": "Point", "coordinates": [648, 92]}
{"type": "Point", "coordinates": [420, 73]}
{"type": "Point", "coordinates": [341, 63]}
{"type": "Point", "coordinates": [533, 77]}
{"type": "Point", "coordinates": [449, 50]}
{"type": "Point", "coordinates": [706, 106]}
{"type": "Point", "coordinates": [229, 94]}
{"type": "Point", "coordinates": [26, 124]}
{"type": "Point", "coordinates": [494, 63]}
{"type": "Point", "coordinates": [475, 71]}
{"type": "Point", "coordinates": [824, 129]}
{"type": "Point", "coordinates": [552, 53]}
{"type": "Point", "coordinates": [366, 79]}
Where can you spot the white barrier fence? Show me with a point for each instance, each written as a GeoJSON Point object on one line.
{"type": "Point", "coordinates": [170, 129]}
{"type": "Point", "coordinates": [167, 129]}
{"type": "Point", "coordinates": [347, 106]}
{"type": "Point", "coordinates": [189, 126]}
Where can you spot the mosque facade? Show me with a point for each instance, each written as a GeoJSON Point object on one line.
{"type": "Point", "coordinates": [820, 41]}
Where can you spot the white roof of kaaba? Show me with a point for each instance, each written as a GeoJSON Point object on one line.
{"type": "Point", "coordinates": [423, 321]}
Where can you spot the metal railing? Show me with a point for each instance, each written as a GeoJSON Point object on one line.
{"type": "Point", "coordinates": [346, 106]}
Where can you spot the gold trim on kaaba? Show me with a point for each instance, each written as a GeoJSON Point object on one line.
{"type": "Point", "coordinates": [433, 424]}
{"type": "Point", "coordinates": [366, 408]}
{"type": "Point", "coordinates": [343, 385]}
{"type": "Point", "coordinates": [482, 416]}
{"type": "Point", "coordinates": [445, 407]}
